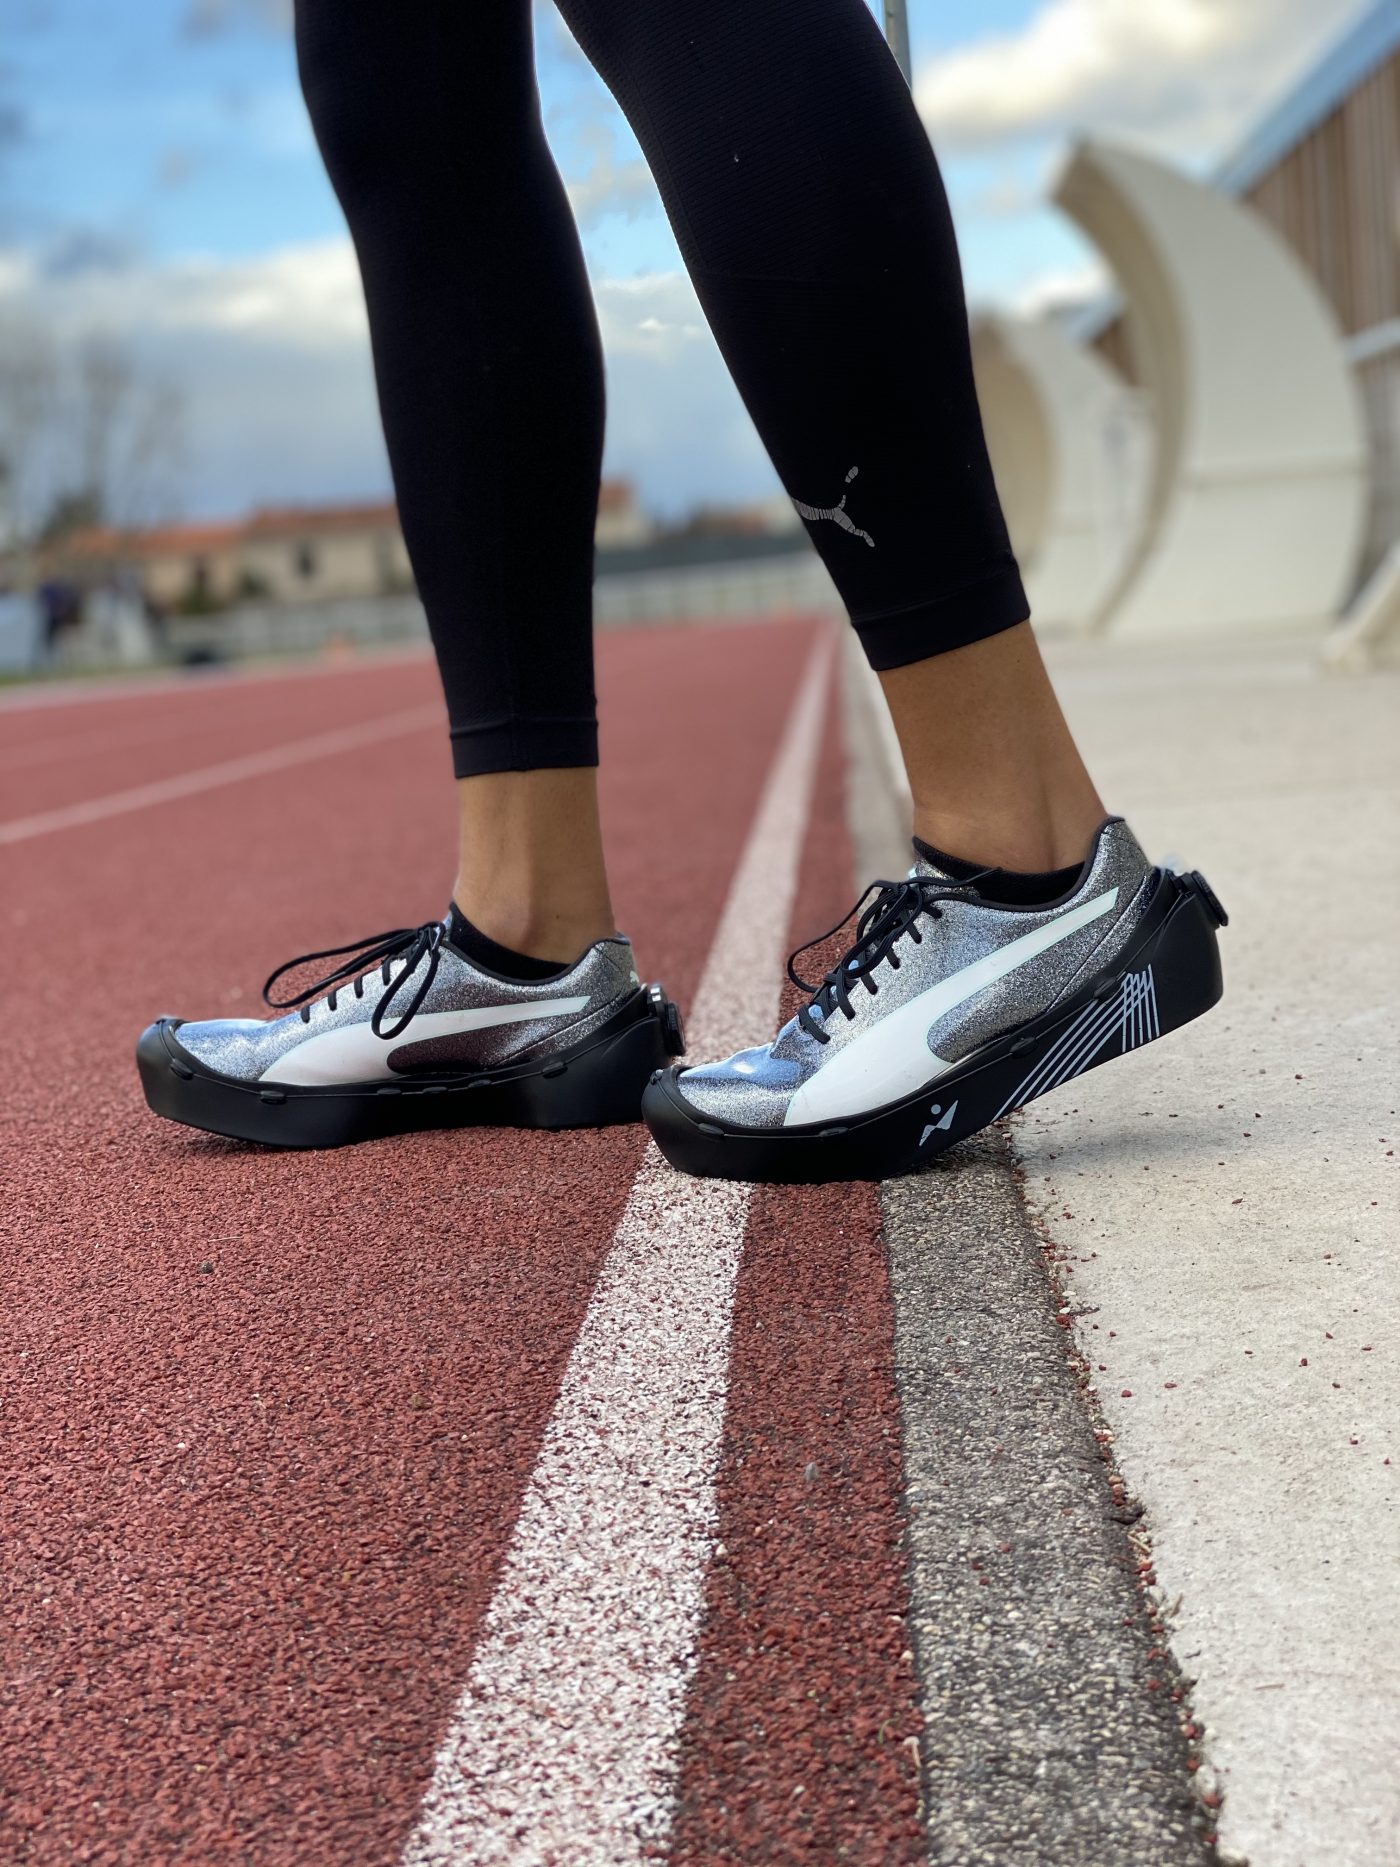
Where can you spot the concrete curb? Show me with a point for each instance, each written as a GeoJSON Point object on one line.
{"type": "Point", "coordinates": [1055, 1719]}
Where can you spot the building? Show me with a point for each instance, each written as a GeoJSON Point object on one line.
{"type": "Point", "coordinates": [1323, 169]}
{"type": "Point", "coordinates": [195, 565]}
{"type": "Point", "coordinates": [621, 521]}
{"type": "Point", "coordinates": [292, 554]}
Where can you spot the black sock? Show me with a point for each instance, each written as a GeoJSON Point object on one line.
{"type": "Point", "coordinates": [482, 950]}
{"type": "Point", "coordinates": [1004, 887]}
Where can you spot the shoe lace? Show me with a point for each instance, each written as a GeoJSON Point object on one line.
{"type": "Point", "coordinates": [411, 944]}
{"type": "Point", "coordinates": [895, 911]}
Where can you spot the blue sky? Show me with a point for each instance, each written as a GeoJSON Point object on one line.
{"type": "Point", "coordinates": [146, 130]}
{"type": "Point", "coordinates": [158, 182]}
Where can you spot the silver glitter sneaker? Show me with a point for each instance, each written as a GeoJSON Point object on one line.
{"type": "Point", "coordinates": [948, 1012]}
{"type": "Point", "coordinates": [409, 1033]}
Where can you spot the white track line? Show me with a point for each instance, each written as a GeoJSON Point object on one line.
{"type": "Point", "coordinates": [72, 692]}
{"type": "Point", "coordinates": [563, 1747]}
{"type": "Point", "coordinates": [87, 744]}
{"type": "Point", "coordinates": [230, 771]}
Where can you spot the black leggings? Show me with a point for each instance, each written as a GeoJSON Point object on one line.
{"type": "Point", "coordinates": [810, 212]}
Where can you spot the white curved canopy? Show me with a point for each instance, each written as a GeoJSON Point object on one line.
{"type": "Point", "coordinates": [1071, 448]}
{"type": "Point", "coordinates": [1259, 491]}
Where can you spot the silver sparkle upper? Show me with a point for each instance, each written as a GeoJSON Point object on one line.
{"type": "Point", "coordinates": [252, 1048]}
{"type": "Point", "coordinates": [754, 1087]}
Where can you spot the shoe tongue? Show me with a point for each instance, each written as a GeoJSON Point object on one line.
{"type": "Point", "coordinates": [923, 866]}
{"type": "Point", "coordinates": [940, 867]}
{"type": "Point", "coordinates": [934, 872]}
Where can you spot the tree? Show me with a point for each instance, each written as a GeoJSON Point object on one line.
{"type": "Point", "coordinates": [28, 409]}
{"type": "Point", "coordinates": [87, 436]}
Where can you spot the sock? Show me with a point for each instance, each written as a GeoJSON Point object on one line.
{"type": "Point", "coordinates": [480, 948]}
{"type": "Point", "coordinates": [1003, 887]}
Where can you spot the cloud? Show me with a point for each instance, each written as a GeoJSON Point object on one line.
{"type": "Point", "coordinates": [302, 297]}
{"type": "Point", "coordinates": [271, 353]}
{"type": "Point", "coordinates": [81, 251]}
{"type": "Point", "coordinates": [14, 124]}
{"type": "Point", "coordinates": [1184, 75]}
{"type": "Point", "coordinates": [175, 166]}
{"type": "Point", "coordinates": [207, 19]}
{"type": "Point", "coordinates": [676, 424]}
{"type": "Point", "coordinates": [653, 314]}
{"type": "Point", "coordinates": [552, 36]}
{"type": "Point", "coordinates": [608, 186]}
{"type": "Point", "coordinates": [272, 120]}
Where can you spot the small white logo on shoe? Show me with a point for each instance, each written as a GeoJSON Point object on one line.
{"type": "Point", "coordinates": [945, 1124]}
{"type": "Point", "coordinates": [837, 513]}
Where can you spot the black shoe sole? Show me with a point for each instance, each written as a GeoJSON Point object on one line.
{"type": "Point", "coordinates": [598, 1084]}
{"type": "Point", "coordinates": [1170, 976]}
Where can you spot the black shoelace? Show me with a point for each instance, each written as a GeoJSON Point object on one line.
{"type": "Point", "coordinates": [894, 912]}
{"type": "Point", "coordinates": [411, 944]}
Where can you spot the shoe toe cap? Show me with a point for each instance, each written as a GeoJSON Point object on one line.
{"type": "Point", "coordinates": [228, 1045]}
{"type": "Point", "coordinates": [751, 1089]}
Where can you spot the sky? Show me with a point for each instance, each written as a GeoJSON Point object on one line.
{"type": "Point", "coordinates": [159, 186]}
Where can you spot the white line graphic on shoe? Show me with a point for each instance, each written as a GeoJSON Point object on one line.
{"type": "Point", "coordinates": [837, 513]}
{"type": "Point", "coordinates": [1132, 1015]}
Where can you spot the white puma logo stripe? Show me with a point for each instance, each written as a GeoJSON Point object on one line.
{"type": "Point", "coordinates": [353, 1054]}
{"type": "Point", "coordinates": [837, 513]}
{"type": "Point", "coordinates": [892, 1058]}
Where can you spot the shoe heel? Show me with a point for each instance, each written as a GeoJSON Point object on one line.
{"type": "Point", "coordinates": [602, 1087]}
{"type": "Point", "coordinates": [1171, 978]}
{"type": "Point", "coordinates": [1184, 960]}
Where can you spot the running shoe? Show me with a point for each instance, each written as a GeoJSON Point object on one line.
{"type": "Point", "coordinates": [949, 1011]}
{"type": "Point", "coordinates": [409, 1033]}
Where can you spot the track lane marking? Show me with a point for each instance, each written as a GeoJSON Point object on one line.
{"type": "Point", "coordinates": [228, 771]}
{"type": "Point", "coordinates": [564, 1744]}
{"type": "Point", "coordinates": [82, 690]}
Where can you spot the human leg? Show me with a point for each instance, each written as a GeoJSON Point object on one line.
{"type": "Point", "coordinates": [490, 379]}
{"type": "Point", "coordinates": [994, 771]}
{"type": "Point", "coordinates": [809, 211]}
{"type": "Point", "coordinates": [490, 376]}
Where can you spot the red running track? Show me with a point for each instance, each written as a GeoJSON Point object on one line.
{"type": "Point", "coordinates": [269, 1417]}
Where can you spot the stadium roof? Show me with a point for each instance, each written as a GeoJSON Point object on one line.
{"type": "Point", "coordinates": [1360, 50]}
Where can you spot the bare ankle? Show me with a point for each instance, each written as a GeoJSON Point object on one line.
{"type": "Point", "coordinates": [530, 871]}
{"type": "Point", "coordinates": [994, 771]}
{"type": "Point", "coordinates": [1031, 840]}
{"type": "Point", "coordinates": [554, 932]}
